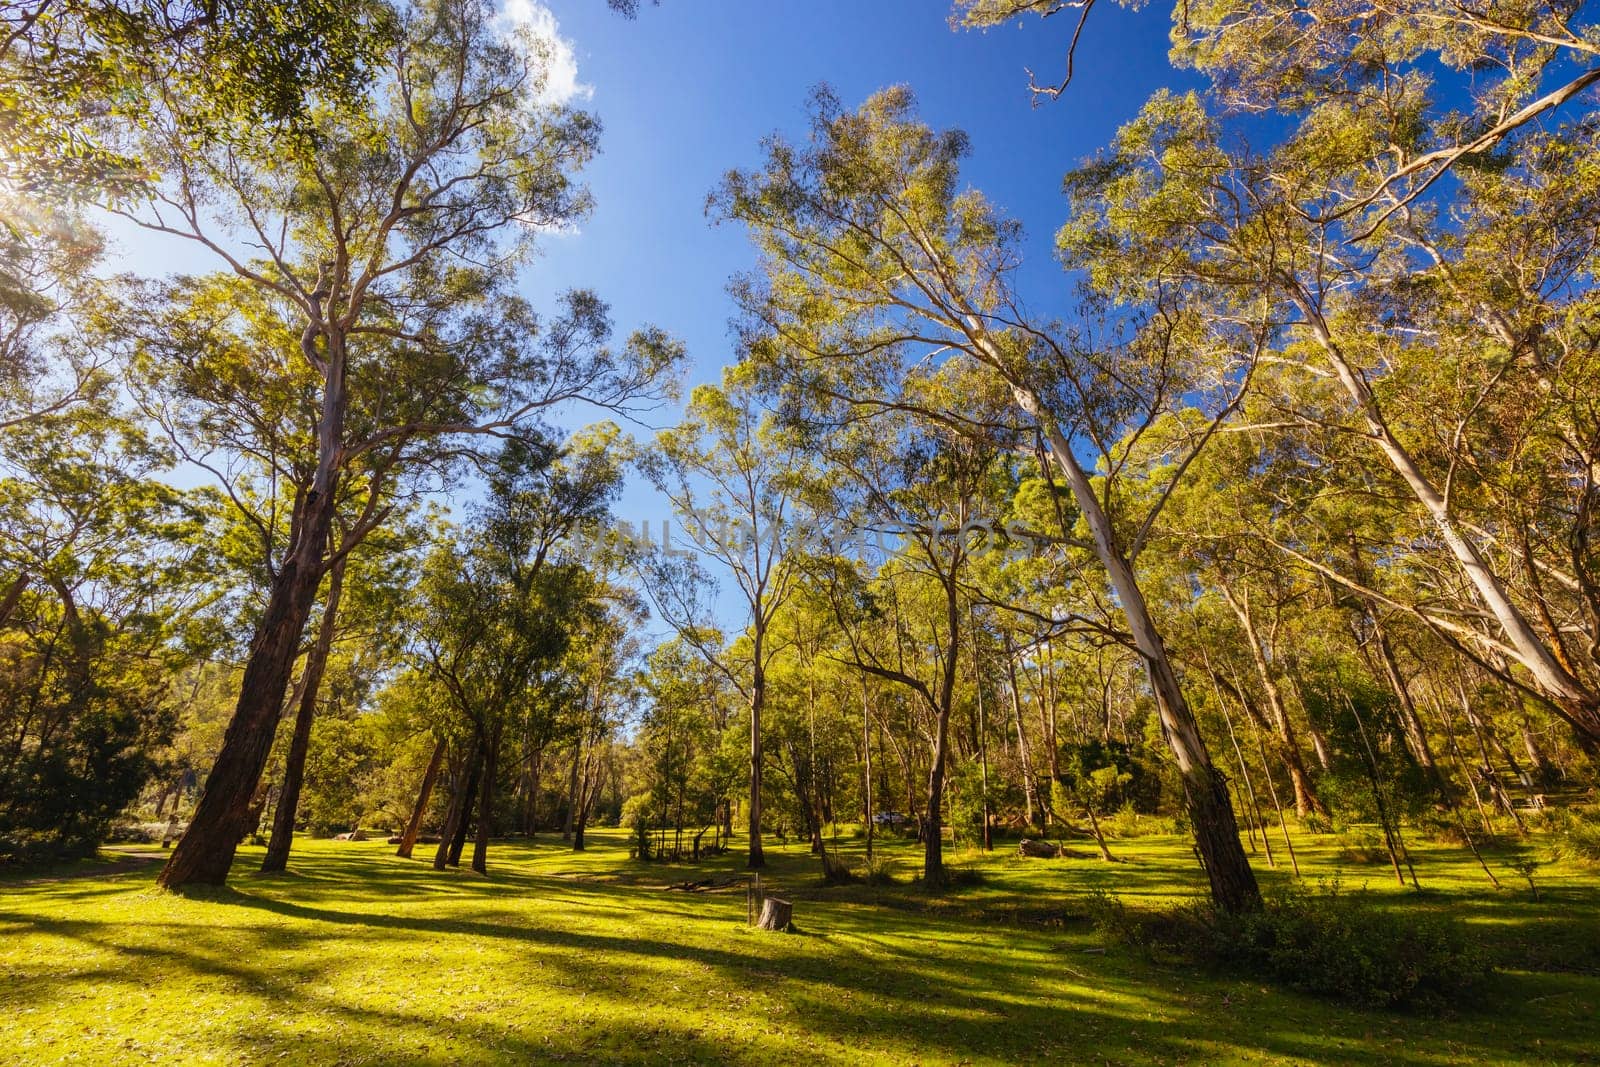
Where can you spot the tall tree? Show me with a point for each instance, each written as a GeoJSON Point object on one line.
{"type": "Point", "coordinates": [383, 243]}
{"type": "Point", "coordinates": [734, 482]}
{"type": "Point", "coordinates": [504, 602]}
{"type": "Point", "coordinates": [874, 262]}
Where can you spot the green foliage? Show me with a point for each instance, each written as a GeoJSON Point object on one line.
{"type": "Point", "coordinates": [965, 802]}
{"type": "Point", "coordinates": [342, 754]}
{"type": "Point", "coordinates": [108, 558]}
{"type": "Point", "coordinates": [1577, 835]}
{"type": "Point", "coordinates": [1322, 941]}
{"type": "Point", "coordinates": [1111, 775]}
{"type": "Point", "coordinates": [1362, 728]}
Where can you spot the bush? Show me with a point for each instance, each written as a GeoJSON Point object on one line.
{"type": "Point", "coordinates": [1128, 822]}
{"type": "Point", "coordinates": [135, 833]}
{"type": "Point", "coordinates": [878, 871]}
{"type": "Point", "coordinates": [1577, 837]}
{"type": "Point", "coordinates": [963, 876]}
{"type": "Point", "coordinates": [835, 871]}
{"type": "Point", "coordinates": [1324, 942]}
{"type": "Point", "coordinates": [1364, 844]}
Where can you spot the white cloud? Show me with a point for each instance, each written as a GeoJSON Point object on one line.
{"type": "Point", "coordinates": [533, 27]}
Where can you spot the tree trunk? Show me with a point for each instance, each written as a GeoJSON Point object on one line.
{"type": "Point", "coordinates": [983, 740]}
{"type": "Point", "coordinates": [455, 818]}
{"type": "Point", "coordinates": [1233, 883]}
{"type": "Point", "coordinates": [1576, 703]}
{"type": "Point", "coordinates": [458, 840]}
{"type": "Point", "coordinates": [480, 845]}
{"type": "Point", "coordinates": [933, 873]}
{"type": "Point", "coordinates": [205, 852]}
{"type": "Point", "coordinates": [758, 698]}
{"type": "Point", "coordinates": [866, 766]}
{"type": "Point", "coordinates": [13, 596]}
{"type": "Point", "coordinates": [1545, 773]}
{"type": "Point", "coordinates": [572, 790]}
{"type": "Point", "coordinates": [587, 791]}
{"type": "Point", "coordinates": [1029, 785]}
{"type": "Point", "coordinates": [776, 915]}
{"type": "Point", "coordinates": [530, 796]}
{"type": "Point", "coordinates": [283, 819]}
{"type": "Point", "coordinates": [1305, 798]}
{"type": "Point", "coordinates": [1410, 721]}
{"type": "Point", "coordinates": [408, 840]}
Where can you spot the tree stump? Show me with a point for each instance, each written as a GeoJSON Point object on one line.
{"type": "Point", "coordinates": [776, 915]}
{"type": "Point", "coordinates": [1043, 850]}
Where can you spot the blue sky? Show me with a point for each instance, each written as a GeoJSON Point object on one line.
{"type": "Point", "coordinates": [689, 90]}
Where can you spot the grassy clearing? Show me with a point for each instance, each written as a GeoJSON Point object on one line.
{"type": "Point", "coordinates": [354, 956]}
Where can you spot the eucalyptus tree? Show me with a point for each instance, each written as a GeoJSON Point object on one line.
{"type": "Point", "coordinates": [72, 71]}
{"type": "Point", "coordinates": [74, 76]}
{"type": "Point", "coordinates": [1424, 236]}
{"type": "Point", "coordinates": [926, 492]}
{"type": "Point", "coordinates": [876, 267]}
{"type": "Point", "coordinates": [48, 257]}
{"type": "Point", "coordinates": [685, 773]}
{"type": "Point", "coordinates": [88, 651]}
{"type": "Point", "coordinates": [604, 660]}
{"type": "Point", "coordinates": [505, 600]}
{"type": "Point", "coordinates": [377, 248]}
{"type": "Point", "coordinates": [364, 597]}
{"type": "Point", "coordinates": [734, 479]}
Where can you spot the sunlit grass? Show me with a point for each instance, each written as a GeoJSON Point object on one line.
{"type": "Point", "coordinates": [354, 956]}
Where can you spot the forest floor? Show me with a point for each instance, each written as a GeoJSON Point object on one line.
{"type": "Point", "coordinates": [355, 956]}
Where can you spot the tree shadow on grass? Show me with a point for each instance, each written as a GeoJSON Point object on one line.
{"type": "Point", "coordinates": [528, 974]}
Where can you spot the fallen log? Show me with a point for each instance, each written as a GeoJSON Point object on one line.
{"type": "Point", "coordinates": [705, 884]}
{"type": "Point", "coordinates": [776, 915]}
{"type": "Point", "coordinates": [1033, 848]}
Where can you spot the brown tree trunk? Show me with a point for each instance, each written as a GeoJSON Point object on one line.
{"type": "Point", "coordinates": [283, 819]}
{"type": "Point", "coordinates": [1305, 797]}
{"type": "Point", "coordinates": [204, 854]}
{"type": "Point", "coordinates": [572, 790]}
{"type": "Point", "coordinates": [480, 845]}
{"type": "Point", "coordinates": [13, 595]}
{"type": "Point", "coordinates": [983, 739]}
{"type": "Point", "coordinates": [455, 819]}
{"type": "Point", "coordinates": [1410, 721]}
{"type": "Point", "coordinates": [458, 840]}
{"type": "Point", "coordinates": [587, 791]}
{"type": "Point", "coordinates": [776, 915]}
{"type": "Point", "coordinates": [866, 767]}
{"type": "Point", "coordinates": [758, 698]}
{"type": "Point", "coordinates": [408, 840]}
{"type": "Point", "coordinates": [933, 873]}
{"type": "Point", "coordinates": [530, 792]}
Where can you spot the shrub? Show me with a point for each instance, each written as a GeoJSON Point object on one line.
{"type": "Point", "coordinates": [1577, 837]}
{"type": "Point", "coordinates": [963, 876]}
{"type": "Point", "coordinates": [1363, 844]}
{"type": "Point", "coordinates": [835, 871]}
{"type": "Point", "coordinates": [1128, 822]}
{"type": "Point", "coordinates": [1324, 942]}
{"type": "Point", "coordinates": [879, 871]}
{"type": "Point", "coordinates": [1317, 823]}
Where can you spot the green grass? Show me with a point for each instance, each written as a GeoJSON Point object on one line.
{"type": "Point", "coordinates": [354, 956]}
